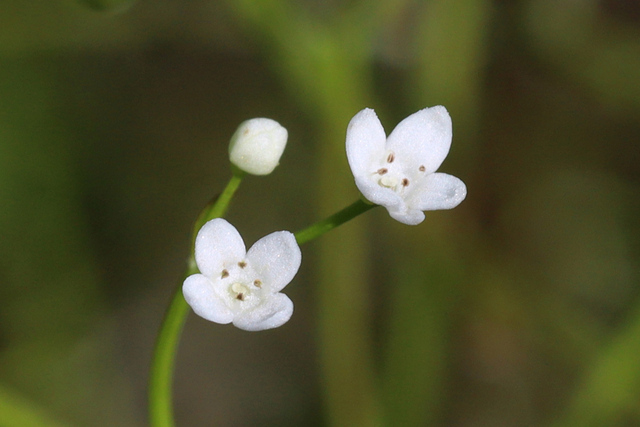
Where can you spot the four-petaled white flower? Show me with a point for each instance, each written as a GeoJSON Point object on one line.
{"type": "Point", "coordinates": [239, 286]}
{"type": "Point", "coordinates": [398, 172]}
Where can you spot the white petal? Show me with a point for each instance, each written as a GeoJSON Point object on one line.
{"type": "Point", "coordinates": [438, 191]}
{"type": "Point", "coordinates": [274, 312]}
{"type": "Point", "coordinates": [423, 138]}
{"type": "Point", "coordinates": [407, 216]}
{"type": "Point", "coordinates": [365, 142]}
{"type": "Point", "coordinates": [218, 244]}
{"type": "Point", "coordinates": [276, 259]}
{"type": "Point", "coordinates": [377, 194]}
{"type": "Point", "coordinates": [200, 295]}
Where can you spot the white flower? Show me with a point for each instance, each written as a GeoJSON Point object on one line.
{"type": "Point", "coordinates": [239, 286]}
{"type": "Point", "coordinates": [257, 145]}
{"type": "Point", "coordinates": [398, 172]}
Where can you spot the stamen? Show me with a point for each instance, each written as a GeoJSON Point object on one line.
{"type": "Point", "coordinates": [242, 264]}
{"type": "Point", "coordinates": [240, 296]}
{"type": "Point", "coordinates": [257, 283]}
{"type": "Point", "coordinates": [390, 158]}
{"type": "Point", "coordinates": [382, 171]}
{"type": "Point", "coordinates": [225, 273]}
{"type": "Point", "coordinates": [422, 168]}
{"type": "Point", "coordinates": [405, 182]}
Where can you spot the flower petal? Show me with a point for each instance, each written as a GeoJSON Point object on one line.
{"type": "Point", "coordinates": [438, 191]}
{"type": "Point", "coordinates": [377, 194]}
{"type": "Point", "coordinates": [423, 138]}
{"type": "Point", "coordinates": [200, 295]}
{"type": "Point", "coordinates": [218, 244]}
{"type": "Point", "coordinates": [276, 259]}
{"type": "Point", "coordinates": [365, 146]}
{"type": "Point", "coordinates": [365, 142]}
{"type": "Point", "coordinates": [407, 216]}
{"type": "Point", "coordinates": [274, 312]}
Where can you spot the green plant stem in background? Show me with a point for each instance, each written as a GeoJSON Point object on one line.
{"type": "Point", "coordinates": [339, 218]}
{"type": "Point", "coordinates": [162, 365]}
{"type": "Point", "coordinates": [18, 411]}
{"type": "Point", "coordinates": [610, 386]}
{"type": "Point", "coordinates": [325, 61]}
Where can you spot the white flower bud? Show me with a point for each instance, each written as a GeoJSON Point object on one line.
{"type": "Point", "coordinates": [257, 145]}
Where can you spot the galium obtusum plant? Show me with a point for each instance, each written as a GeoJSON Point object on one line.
{"type": "Point", "coordinates": [225, 283]}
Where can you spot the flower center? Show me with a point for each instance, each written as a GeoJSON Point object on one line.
{"type": "Point", "coordinates": [241, 283]}
{"type": "Point", "coordinates": [388, 181]}
{"type": "Point", "coordinates": [394, 176]}
{"type": "Point", "coordinates": [239, 291]}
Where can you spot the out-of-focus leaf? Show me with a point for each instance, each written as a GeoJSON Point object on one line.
{"type": "Point", "coordinates": [18, 411]}
{"type": "Point", "coordinates": [109, 5]}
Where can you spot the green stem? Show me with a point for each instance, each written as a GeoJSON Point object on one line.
{"type": "Point", "coordinates": [338, 218]}
{"type": "Point", "coordinates": [162, 365]}
{"type": "Point", "coordinates": [218, 206]}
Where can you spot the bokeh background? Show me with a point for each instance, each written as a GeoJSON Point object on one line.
{"type": "Point", "coordinates": [521, 307]}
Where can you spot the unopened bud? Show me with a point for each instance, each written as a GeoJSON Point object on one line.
{"type": "Point", "coordinates": [257, 145]}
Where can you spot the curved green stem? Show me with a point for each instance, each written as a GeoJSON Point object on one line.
{"type": "Point", "coordinates": [319, 228]}
{"type": "Point", "coordinates": [162, 365]}
{"type": "Point", "coordinates": [161, 379]}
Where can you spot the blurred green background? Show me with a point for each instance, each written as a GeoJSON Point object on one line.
{"type": "Point", "coordinates": [521, 307]}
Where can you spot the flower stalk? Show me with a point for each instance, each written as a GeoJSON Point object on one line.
{"type": "Point", "coordinates": [163, 363]}
{"type": "Point", "coordinates": [319, 228]}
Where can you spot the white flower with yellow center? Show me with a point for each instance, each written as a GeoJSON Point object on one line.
{"type": "Point", "coordinates": [399, 172]}
{"type": "Point", "coordinates": [239, 286]}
